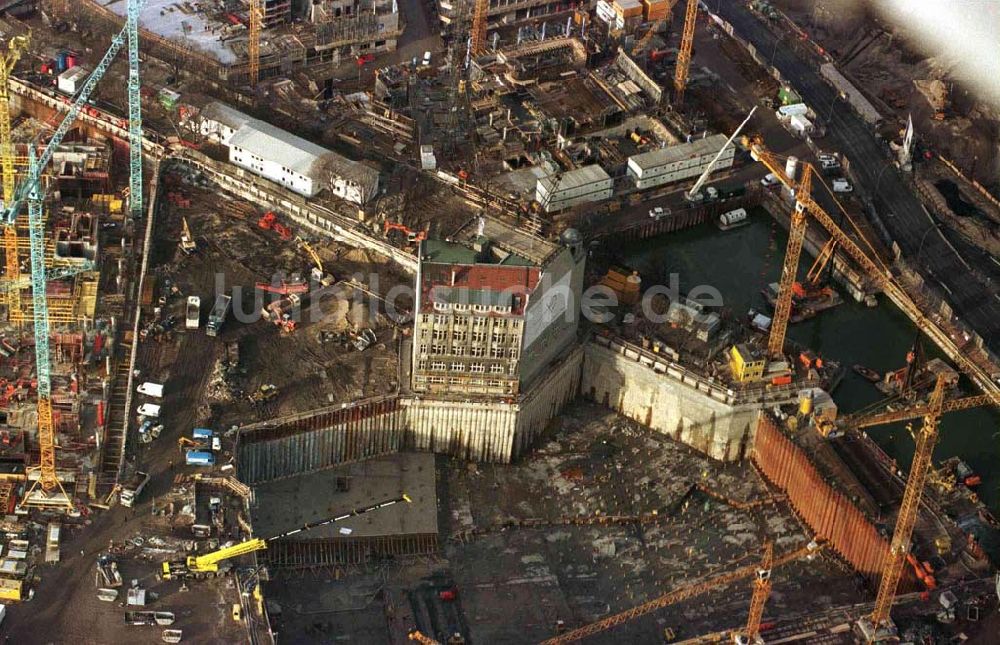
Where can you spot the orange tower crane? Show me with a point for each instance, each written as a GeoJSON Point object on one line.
{"type": "Point", "coordinates": [684, 55]}
{"type": "Point", "coordinates": [479, 18]}
{"type": "Point", "coordinates": [678, 595]}
{"type": "Point", "coordinates": [796, 236]}
{"type": "Point", "coordinates": [892, 569]}
{"type": "Point", "coordinates": [861, 252]}
{"type": "Point", "coordinates": [761, 592]}
{"type": "Point", "coordinates": [253, 48]}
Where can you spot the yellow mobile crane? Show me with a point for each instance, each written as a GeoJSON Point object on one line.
{"type": "Point", "coordinates": [207, 565]}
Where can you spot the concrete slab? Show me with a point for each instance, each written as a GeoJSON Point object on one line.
{"type": "Point", "coordinates": [287, 503]}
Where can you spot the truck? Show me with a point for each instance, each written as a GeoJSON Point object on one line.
{"type": "Point", "coordinates": [149, 388]}
{"type": "Point", "coordinates": [218, 314]}
{"type": "Point", "coordinates": [207, 438]}
{"type": "Point", "coordinates": [52, 542]}
{"type": "Point", "coordinates": [199, 458]}
{"type": "Point", "coordinates": [133, 488]}
{"type": "Point", "coordinates": [192, 318]}
{"type": "Point", "coordinates": [210, 565]}
{"type": "Point", "coordinates": [149, 410]}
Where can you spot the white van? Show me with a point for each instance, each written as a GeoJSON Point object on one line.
{"type": "Point", "coordinates": [427, 59]}
{"type": "Point", "coordinates": [149, 410]}
{"type": "Point", "coordinates": [149, 388]}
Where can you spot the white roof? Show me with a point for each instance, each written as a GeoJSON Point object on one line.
{"type": "Point", "coordinates": [274, 144]}
{"type": "Point", "coordinates": [574, 178]}
{"type": "Point", "coordinates": [671, 154]}
{"type": "Point", "coordinates": [284, 148]}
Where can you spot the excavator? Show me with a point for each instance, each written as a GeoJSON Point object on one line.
{"type": "Point", "coordinates": [317, 273]}
{"type": "Point", "coordinates": [213, 564]}
{"type": "Point", "coordinates": [413, 237]}
{"type": "Point", "coordinates": [188, 245]}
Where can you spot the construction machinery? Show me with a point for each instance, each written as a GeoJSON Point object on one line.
{"type": "Point", "coordinates": [866, 258]}
{"type": "Point", "coordinates": [416, 636]}
{"type": "Point", "coordinates": [284, 288]}
{"type": "Point", "coordinates": [477, 44]}
{"type": "Point", "coordinates": [188, 245]}
{"type": "Point", "coordinates": [694, 194]}
{"type": "Point", "coordinates": [269, 222]}
{"type": "Point", "coordinates": [684, 593]}
{"type": "Point", "coordinates": [317, 272]}
{"type": "Point", "coordinates": [15, 48]}
{"type": "Point", "coordinates": [684, 55]}
{"type": "Point", "coordinates": [253, 44]}
{"type": "Point", "coordinates": [31, 190]}
{"type": "Point", "coordinates": [878, 625]}
{"type": "Point", "coordinates": [412, 236]}
{"type": "Point", "coordinates": [212, 564]}
{"type": "Point", "coordinates": [761, 592]}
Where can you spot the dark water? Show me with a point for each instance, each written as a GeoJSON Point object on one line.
{"type": "Point", "coordinates": [743, 261]}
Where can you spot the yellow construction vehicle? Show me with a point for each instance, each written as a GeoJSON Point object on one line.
{"type": "Point", "coordinates": [213, 564]}
{"type": "Point", "coordinates": [317, 273]}
{"type": "Point", "coordinates": [188, 245]}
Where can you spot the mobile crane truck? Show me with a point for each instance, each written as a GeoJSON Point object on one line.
{"type": "Point", "coordinates": [207, 565]}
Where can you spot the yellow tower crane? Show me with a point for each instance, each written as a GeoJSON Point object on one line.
{"type": "Point", "coordinates": [684, 55]}
{"type": "Point", "coordinates": [253, 46]}
{"type": "Point", "coordinates": [678, 595]}
{"type": "Point", "coordinates": [761, 592]}
{"type": "Point", "coordinates": [879, 623]}
{"type": "Point", "coordinates": [480, 13]}
{"type": "Point", "coordinates": [12, 264]}
{"type": "Point", "coordinates": [796, 236]}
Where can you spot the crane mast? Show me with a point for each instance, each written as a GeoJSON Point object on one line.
{"type": "Point", "coordinates": [31, 190]}
{"type": "Point", "coordinates": [15, 48]}
{"type": "Point", "coordinates": [761, 592]}
{"type": "Point", "coordinates": [480, 15]}
{"type": "Point", "coordinates": [684, 55]}
{"type": "Point", "coordinates": [253, 46]}
{"type": "Point", "coordinates": [895, 559]}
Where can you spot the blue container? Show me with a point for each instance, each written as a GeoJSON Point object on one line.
{"type": "Point", "coordinates": [61, 62]}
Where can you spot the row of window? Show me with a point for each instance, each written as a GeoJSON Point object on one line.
{"type": "Point", "coordinates": [464, 307]}
{"type": "Point", "coordinates": [460, 336]}
{"type": "Point", "coordinates": [506, 386]}
{"type": "Point", "coordinates": [474, 367]}
{"type": "Point", "coordinates": [438, 349]}
{"type": "Point", "coordinates": [478, 322]}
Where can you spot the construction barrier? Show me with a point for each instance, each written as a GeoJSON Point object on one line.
{"type": "Point", "coordinates": [828, 513]}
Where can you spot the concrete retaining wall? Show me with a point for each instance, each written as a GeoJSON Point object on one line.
{"type": "Point", "coordinates": [667, 402]}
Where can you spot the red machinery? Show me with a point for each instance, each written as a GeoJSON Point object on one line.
{"type": "Point", "coordinates": [411, 235]}
{"type": "Point", "coordinates": [269, 222]}
{"type": "Point", "coordinates": [284, 288]}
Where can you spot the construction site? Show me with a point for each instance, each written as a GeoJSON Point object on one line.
{"type": "Point", "coordinates": [496, 322]}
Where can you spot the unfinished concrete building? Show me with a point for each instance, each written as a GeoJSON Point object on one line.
{"type": "Point", "coordinates": [355, 26]}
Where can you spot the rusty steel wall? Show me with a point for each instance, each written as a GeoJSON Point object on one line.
{"type": "Point", "coordinates": [322, 441]}
{"type": "Point", "coordinates": [828, 513]}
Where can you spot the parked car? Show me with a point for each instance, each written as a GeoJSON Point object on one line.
{"type": "Point", "coordinates": [658, 212]}
{"type": "Point", "coordinates": [841, 185]}
{"type": "Point", "coordinates": [769, 180]}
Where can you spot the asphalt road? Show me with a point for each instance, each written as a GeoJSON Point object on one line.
{"type": "Point", "coordinates": [969, 276]}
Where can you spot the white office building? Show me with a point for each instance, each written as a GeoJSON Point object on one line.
{"type": "Point", "coordinates": [675, 163]}
{"type": "Point", "coordinates": [293, 162]}
{"type": "Point", "coordinates": [564, 189]}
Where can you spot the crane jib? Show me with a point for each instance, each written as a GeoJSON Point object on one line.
{"type": "Point", "coordinates": [333, 520]}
